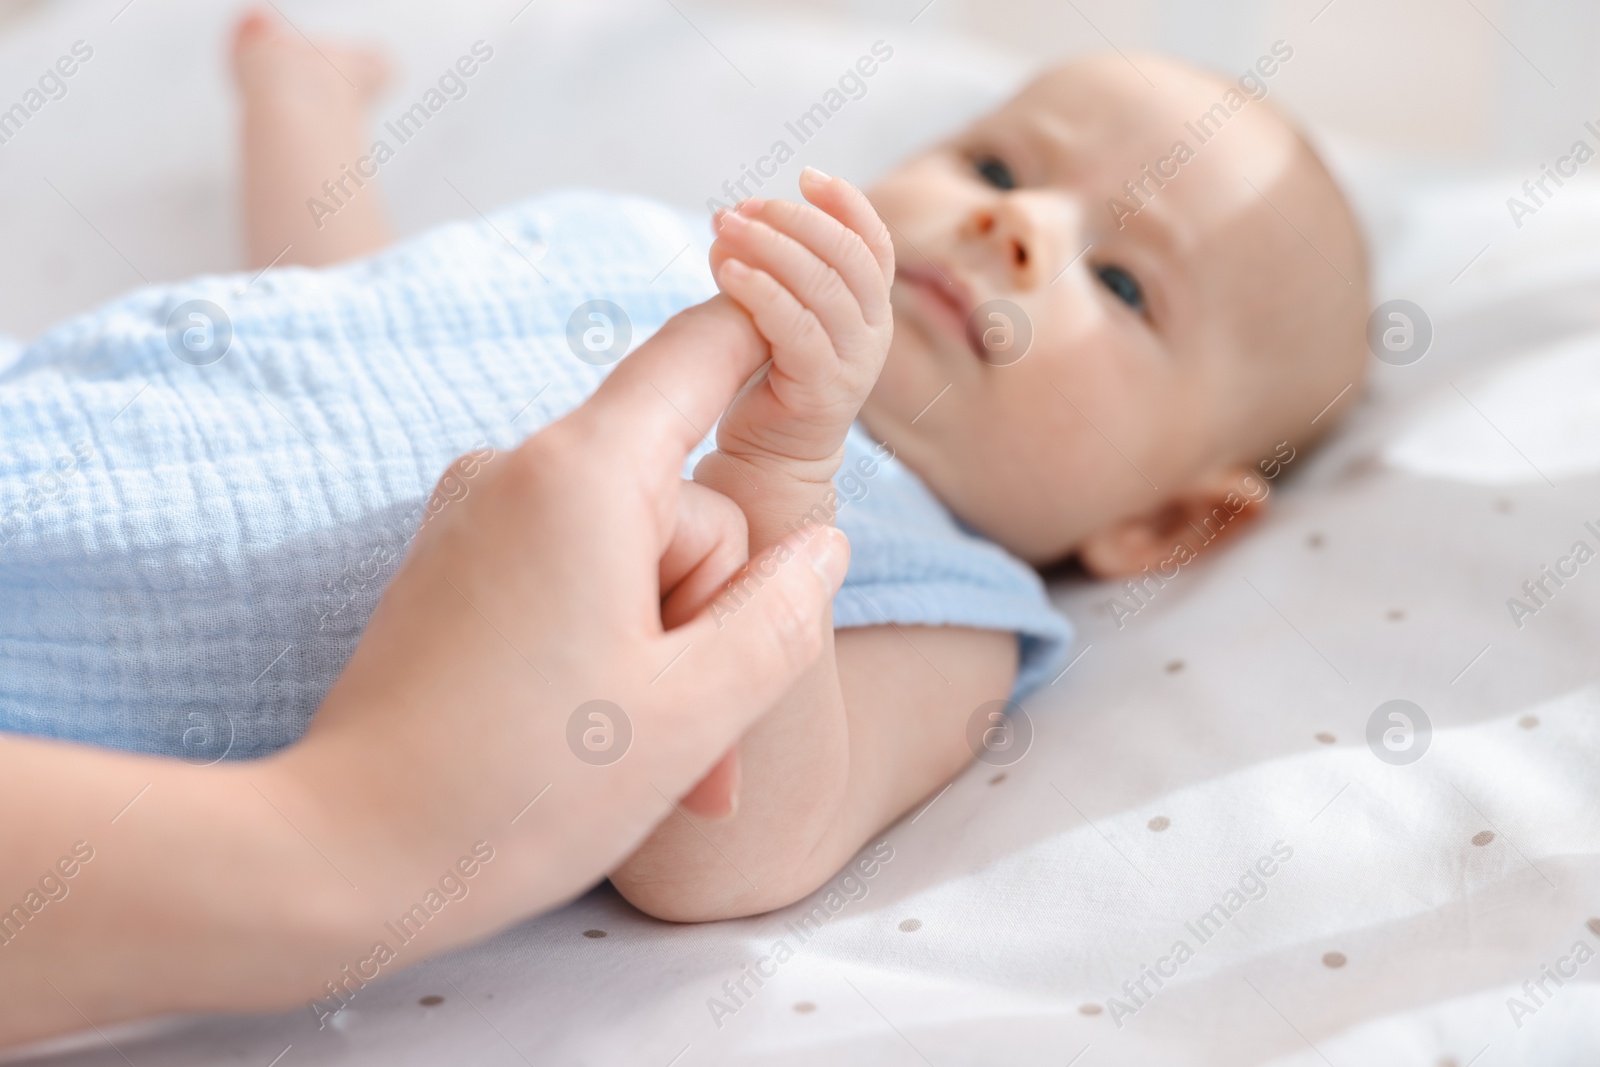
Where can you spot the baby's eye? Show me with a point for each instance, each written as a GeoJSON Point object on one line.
{"type": "Point", "coordinates": [1123, 286]}
{"type": "Point", "coordinates": [995, 172]}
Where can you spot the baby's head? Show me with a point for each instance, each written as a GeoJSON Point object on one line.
{"type": "Point", "coordinates": [1195, 286]}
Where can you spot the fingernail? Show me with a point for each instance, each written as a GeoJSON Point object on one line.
{"type": "Point", "coordinates": [828, 552]}
{"type": "Point", "coordinates": [735, 267]}
{"type": "Point", "coordinates": [716, 217]}
{"type": "Point", "coordinates": [815, 175]}
{"type": "Point", "coordinates": [733, 220]}
{"type": "Point", "coordinates": [751, 205]}
{"type": "Point", "coordinates": [733, 789]}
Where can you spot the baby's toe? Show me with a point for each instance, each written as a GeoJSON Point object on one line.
{"type": "Point", "coordinates": [270, 58]}
{"type": "Point", "coordinates": [253, 36]}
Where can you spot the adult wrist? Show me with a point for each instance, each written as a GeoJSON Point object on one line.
{"type": "Point", "coordinates": [295, 903]}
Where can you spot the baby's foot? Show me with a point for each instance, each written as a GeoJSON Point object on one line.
{"type": "Point", "coordinates": [271, 61]}
{"type": "Point", "coordinates": [815, 281]}
{"type": "Point", "coordinates": [304, 127]}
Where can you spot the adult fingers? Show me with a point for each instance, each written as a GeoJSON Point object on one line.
{"type": "Point", "coordinates": [754, 640]}
{"type": "Point", "coordinates": [709, 545]}
{"type": "Point", "coordinates": [716, 796]}
{"type": "Point", "coordinates": [710, 542]}
{"type": "Point", "coordinates": [663, 399]}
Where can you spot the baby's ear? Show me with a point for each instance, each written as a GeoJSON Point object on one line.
{"type": "Point", "coordinates": [1213, 509]}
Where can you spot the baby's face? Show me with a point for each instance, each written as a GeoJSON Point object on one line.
{"type": "Point", "coordinates": [1126, 393]}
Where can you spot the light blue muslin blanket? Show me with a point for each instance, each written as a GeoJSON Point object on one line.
{"type": "Point", "coordinates": [205, 486]}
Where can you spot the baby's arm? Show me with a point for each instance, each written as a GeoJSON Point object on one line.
{"type": "Point", "coordinates": [821, 777]}
{"type": "Point", "coordinates": [880, 720]}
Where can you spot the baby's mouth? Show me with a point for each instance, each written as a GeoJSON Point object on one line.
{"type": "Point", "coordinates": [943, 303]}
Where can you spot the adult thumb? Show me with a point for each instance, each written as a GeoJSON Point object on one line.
{"type": "Point", "coordinates": [754, 640]}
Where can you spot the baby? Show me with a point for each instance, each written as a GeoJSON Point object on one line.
{"type": "Point", "coordinates": [1018, 347]}
{"type": "Point", "coordinates": [1175, 345]}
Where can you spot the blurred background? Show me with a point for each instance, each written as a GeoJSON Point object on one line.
{"type": "Point", "coordinates": [130, 176]}
{"type": "Point", "coordinates": [1477, 80]}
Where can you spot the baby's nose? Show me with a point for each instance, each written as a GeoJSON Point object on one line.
{"type": "Point", "coordinates": [1012, 233]}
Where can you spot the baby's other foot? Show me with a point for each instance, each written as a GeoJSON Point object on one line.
{"type": "Point", "coordinates": [304, 126]}
{"type": "Point", "coordinates": [814, 278]}
{"type": "Point", "coordinates": [273, 61]}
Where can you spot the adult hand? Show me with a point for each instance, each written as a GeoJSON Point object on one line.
{"type": "Point", "coordinates": [443, 748]}
{"type": "Point", "coordinates": [538, 593]}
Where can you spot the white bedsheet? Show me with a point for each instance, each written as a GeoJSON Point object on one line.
{"type": "Point", "coordinates": [1224, 718]}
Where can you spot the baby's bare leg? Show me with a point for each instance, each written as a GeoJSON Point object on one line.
{"type": "Point", "coordinates": [304, 125]}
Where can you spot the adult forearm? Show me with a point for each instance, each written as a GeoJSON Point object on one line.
{"type": "Point", "coordinates": [135, 886]}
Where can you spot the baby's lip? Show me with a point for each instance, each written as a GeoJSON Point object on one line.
{"type": "Point", "coordinates": [946, 299]}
